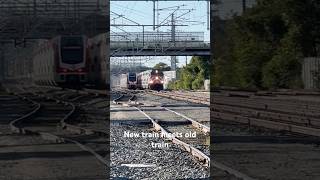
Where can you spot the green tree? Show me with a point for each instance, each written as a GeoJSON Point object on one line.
{"type": "Point", "coordinates": [162, 66]}
{"type": "Point", "coordinates": [263, 47]}
{"type": "Point", "coordinates": [193, 75]}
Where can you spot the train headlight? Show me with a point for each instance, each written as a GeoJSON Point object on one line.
{"type": "Point", "coordinates": [161, 81]}
{"type": "Point", "coordinates": [157, 77]}
{"type": "Point", "coordinates": [150, 81]}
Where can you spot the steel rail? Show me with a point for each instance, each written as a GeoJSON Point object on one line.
{"type": "Point", "coordinates": [194, 151]}
{"type": "Point", "coordinates": [115, 101]}
{"type": "Point", "coordinates": [197, 153]}
{"type": "Point", "coordinates": [266, 123]}
{"type": "Point", "coordinates": [58, 139]}
{"type": "Point", "coordinates": [265, 114]}
{"type": "Point", "coordinates": [184, 97]}
{"type": "Point", "coordinates": [13, 124]}
{"type": "Point", "coordinates": [231, 171]}
{"type": "Point", "coordinates": [195, 123]}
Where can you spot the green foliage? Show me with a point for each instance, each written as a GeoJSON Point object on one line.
{"type": "Point", "coordinates": [263, 47]}
{"type": "Point", "coordinates": [193, 75]}
{"type": "Point", "coordinates": [162, 66]}
{"type": "Point", "coordinates": [284, 69]}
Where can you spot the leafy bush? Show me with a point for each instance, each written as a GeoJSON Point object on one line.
{"type": "Point", "coordinates": [264, 46]}
{"type": "Point", "coordinates": [193, 75]}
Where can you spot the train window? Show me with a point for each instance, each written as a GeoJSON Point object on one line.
{"type": "Point", "coordinates": [82, 77]}
{"type": "Point", "coordinates": [62, 77]}
{"type": "Point", "coordinates": [72, 50]}
{"type": "Point", "coordinates": [95, 59]}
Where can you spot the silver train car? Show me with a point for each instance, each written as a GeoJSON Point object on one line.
{"type": "Point", "coordinates": [99, 62]}
{"type": "Point", "coordinates": [128, 81]}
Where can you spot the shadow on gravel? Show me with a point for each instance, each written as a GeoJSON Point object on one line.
{"type": "Point", "coordinates": [266, 139]}
{"type": "Point", "coordinates": [123, 110]}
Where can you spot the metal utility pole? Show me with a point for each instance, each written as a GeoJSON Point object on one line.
{"type": "Point", "coordinates": [173, 30]}
{"type": "Point", "coordinates": [186, 61]}
{"type": "Point", "coordinates": [208, 15]}
{"type": "Point", "coordinates": [173, 39]}
{"type": "Point", "coordinates": [158, 15]}
{"type": "Point", "coordinates": [154, 14]}
{"type": "Point", "coordinates": [1, 64]}
{"type": "Point", "coordinates": [214, 10]}
{"type": "Point", "coordinates": [244, 5]}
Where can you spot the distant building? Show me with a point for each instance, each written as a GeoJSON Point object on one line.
{"type": "Point", "coordinates": [311, 73]}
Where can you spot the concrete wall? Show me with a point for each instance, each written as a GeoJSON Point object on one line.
{"type": "Point", "coordinates": [310, 67]}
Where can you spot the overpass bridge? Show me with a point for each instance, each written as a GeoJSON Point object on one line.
{"type": "Point", "coordinates": [158, 44]}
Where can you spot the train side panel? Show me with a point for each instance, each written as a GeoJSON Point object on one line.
{"type": "Point", "coordinates": [143, 79]}
{"type": "Point", "coordinates": [99, 66]}
{"type": "Point", "coordinates": [124, 81]}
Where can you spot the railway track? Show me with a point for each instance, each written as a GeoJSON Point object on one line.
{"type": "Point", "coordinates": [285, 115]}
{"type": "Point", "coordinates": [167, 121]}
{"type": "Point", "coordinates": [9, 112]}
{"type": "Point", "coordinates": [182, 96]}
{"type": "Point", "coordinates": [51, 119]}
{"type": "Point", "coordinates": [273, 114]}
{"type": "Point", "coordinates": [197, 146]}
{"type": "Point", "coordinates": [252, 129]}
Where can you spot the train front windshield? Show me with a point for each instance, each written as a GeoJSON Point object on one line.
{"type": "Point", "coordinates": [72, 50]}
{"type": "Point", "coordinates": [132, 77]}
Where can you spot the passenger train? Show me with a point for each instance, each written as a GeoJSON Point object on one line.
{"type": "Point", "coordinates": [128, 81]}
{"type": "Point", "coordinates": [76, 61]}
{"type": "Point", "coordinates": [72, 61]}
{"type": "Point", "coordinates": [151, 79]}
{"type": "Point", "coordinates": [62, 61]}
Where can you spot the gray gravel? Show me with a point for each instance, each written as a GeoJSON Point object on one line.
{"type": "Point", "coordinates": [170, 163]}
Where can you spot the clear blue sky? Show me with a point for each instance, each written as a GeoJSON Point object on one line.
{"type": "Point", "coordinates": [142, 12]}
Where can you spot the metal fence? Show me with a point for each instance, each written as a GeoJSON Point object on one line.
{"type": "Point", "coordinates": [156, 36]}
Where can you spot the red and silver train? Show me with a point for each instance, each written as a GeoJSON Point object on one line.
{"type": "Point", "coordinates": [71, 61]}
{"type": "Point", "coordinates": [151, 79]}
{"type": "Point", "coordinates": [128, 80]}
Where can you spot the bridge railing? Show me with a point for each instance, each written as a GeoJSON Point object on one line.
{"type": "Point", "coordinates": [156, 36]}
{"type": "Point", "coordinates": [157, 40]}
{"type": "Point", "coordinates": [159, 45]}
